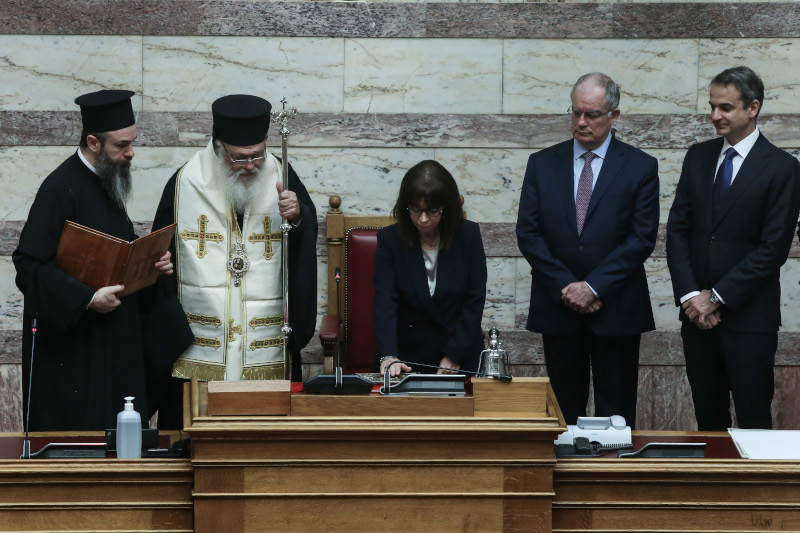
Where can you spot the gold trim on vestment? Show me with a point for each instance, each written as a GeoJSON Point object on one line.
{"type": "Point", "coordinates": [275, 342]}
{"type": "Point", "coordinates": [188, 369]}
{"type": "Point", "coordinates": [264, 321]}
{"type": "Point", "coordinates": [204, 320]}
{"type": "Point", "coordinates": [264, 372]}
{"type": "Point", "coordinates": [208, 343]}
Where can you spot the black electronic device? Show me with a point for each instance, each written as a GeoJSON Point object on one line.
{"type": "Point", "coordinates": [580, 448]}
{"type": "Point", "coordinates": [668, 450]}
{"type": "Point", "coordinates": [71, 450]}
{"type": "Point", "coordinates": [328, 384]}
{"type": "Point", "coordinates": [428, 385]}
{"type": "Point", "coordinates": [149, 439]}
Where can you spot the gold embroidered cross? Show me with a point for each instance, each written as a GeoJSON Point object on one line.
{"type": "Point", "coordinates": [201, 236]}
{"type": "Point", "coordinates": [233, 329]}
{"type": "Point", "coordinates": [267, 237]}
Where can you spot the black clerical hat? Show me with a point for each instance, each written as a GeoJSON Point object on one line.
{"type": "Point", "coordinates": [106, 110]}
{"type": "Point", "coordinates": [241, 119]}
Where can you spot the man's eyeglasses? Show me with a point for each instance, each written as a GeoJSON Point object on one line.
{"type": "Point", "coordinates": [417, 212]}
{"type": "Point", "coordinates": [591, 116]}
{"type": "Point", "coordinates": [246, 160]}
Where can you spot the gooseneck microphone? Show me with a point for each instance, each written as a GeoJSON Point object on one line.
{"type": "Point", "coordinates": [26, 444]}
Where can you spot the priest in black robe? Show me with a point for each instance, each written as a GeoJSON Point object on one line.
{"type": "Point", "coordinates": [228, 200]}
{"type": "Point", "coordinates": [88, 344]}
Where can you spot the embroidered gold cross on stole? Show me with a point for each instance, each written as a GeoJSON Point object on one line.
{"type": "Point", "coordinates": [201, 236]}
{"type": "Point", "coordinates": [267, 237]}
{"type": "Point", "coordinates": [232, 330]}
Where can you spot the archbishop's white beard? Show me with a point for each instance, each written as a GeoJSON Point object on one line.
{"type": "Point", "coordinates": [241, 186]}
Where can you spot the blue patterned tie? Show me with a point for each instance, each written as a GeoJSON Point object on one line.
{"type": "Point", "coordinates": [723, 181]}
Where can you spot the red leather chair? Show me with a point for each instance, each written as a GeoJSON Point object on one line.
{"type": "Point", "coordinates": [352, 240]}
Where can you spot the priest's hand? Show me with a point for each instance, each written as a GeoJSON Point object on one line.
{"type": "Point", "coordinates": [164, 265]}
{"type": "Point", "coordinates": [288, 206]}
{"type": "Point", "coordinates": [105, 299]}
{"type": "Point", "coordinates": [449, 366]}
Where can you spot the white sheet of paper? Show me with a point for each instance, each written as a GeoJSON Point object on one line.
{"type": "Point", "coordinates": [766, 443]}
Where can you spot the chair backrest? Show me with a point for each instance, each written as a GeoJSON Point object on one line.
{"type": "Point", "coordinates": [352, 240]}
{"type": "Point", "coordinates": [359, 331]}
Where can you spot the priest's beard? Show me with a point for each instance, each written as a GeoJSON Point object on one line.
{"type": "Point", "coordinates": [115, 178]}
{"type": "Point", "coordinates": [241, 185]}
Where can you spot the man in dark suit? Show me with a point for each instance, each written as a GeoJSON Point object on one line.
{"type": "Point", "coordinates": [728, 233]}
{"type": "Point", "coordinates": [588, 220]}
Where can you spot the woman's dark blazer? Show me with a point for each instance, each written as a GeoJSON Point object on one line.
{"type": "Point", "coordinates": [415, 326]}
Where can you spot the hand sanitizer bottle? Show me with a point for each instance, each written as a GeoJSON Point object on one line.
{"type": "Point", "coordinates": [129, 432]}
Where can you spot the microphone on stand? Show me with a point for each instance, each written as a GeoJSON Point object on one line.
{"type": "Point", "coordinates": [337, 383]}
{"type": "Point", "coordinates": [26, 444]}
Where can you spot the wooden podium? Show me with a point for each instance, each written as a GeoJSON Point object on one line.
{"type": "Point", "coordinates": [376, 463]}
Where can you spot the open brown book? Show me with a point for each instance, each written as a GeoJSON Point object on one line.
{"type": "Point", "coordinates": [100, 260]}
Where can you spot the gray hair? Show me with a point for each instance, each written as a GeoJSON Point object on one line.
{"type": "Point", "coordinates": [601, 80]}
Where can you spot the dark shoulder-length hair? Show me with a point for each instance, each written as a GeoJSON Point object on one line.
{"type": "Point", "coordinates": [429, 181]}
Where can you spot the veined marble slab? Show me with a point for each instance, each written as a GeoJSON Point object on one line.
{"type": "Point", "coordinates": [10, 297]}
{"type": "Point", "coordinates": [189, 73]}
{"type": "Point", "coordinates": [48, 72]}
{"type": "Point", "coordinates": [538, 75]}
{"type": "Point", "coordinates": [769, 58]}
{"type": "Point", "coordinates": [412, 76]}
{"type": "Point", "coordinates": [500, 307]}
{"type": "Point", "coordinates": [397, 130]}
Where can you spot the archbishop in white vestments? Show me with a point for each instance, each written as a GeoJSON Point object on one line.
{"type": "Point", "coordinates": [228, 201]}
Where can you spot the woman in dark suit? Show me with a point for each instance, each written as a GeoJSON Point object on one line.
{"type": "Point", "coordinates": [430, 278]}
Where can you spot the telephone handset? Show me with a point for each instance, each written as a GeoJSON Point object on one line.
{"type": "Point", "coordinates": [602, 434]}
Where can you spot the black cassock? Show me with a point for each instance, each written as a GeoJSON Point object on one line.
{"type": "Point", "coordinates": [302, 281]}
{"type": "Point", "coordinates": [85, 362]}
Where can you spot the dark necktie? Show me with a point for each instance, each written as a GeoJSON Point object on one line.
{"type": "Point", "coordinates": [584, 190]}
{"type": "Point", "coordinates": [723, 181]}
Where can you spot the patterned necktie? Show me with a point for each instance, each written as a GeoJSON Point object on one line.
{"type": "Point", "coordinates": [584, 190]}
{"type": "Point", "coordinates": [723, 181]}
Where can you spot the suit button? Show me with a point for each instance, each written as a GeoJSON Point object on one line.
{"type": "Point", "coordinates": [713, 239]}
{"type": "Point", "coordinates": [580, 248]}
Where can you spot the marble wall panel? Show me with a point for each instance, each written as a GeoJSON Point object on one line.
{"type": "Point", "coordinates": [189, 73]}
{"type": "Point", "coordinates": [11, 398]}
{"type": "Point", "coordinates": [539, 74]}
{"type": "Point", "coordinates": [522, 292]}
{"type": "Point", "coordinates": [769, 58]}
{"type": "Point", "coordinates": [664, 400]}
{"type": "Point", "coordinates": [454, 76]}
{"type": "Point", "coordinates": [669, 172]}
{"type": "Point", "coordinates": [22, 170]}
{"type": "Point", "coordinates": [790, 296]}
{"type": "Point", "coordinates": [659, 282]}
{"type": "Point", "coordinates": [10, 297]}
{"type": "Point", "coordinates": [48, 72]}
{"type": "Point", "coordinates": [151, 169]}
{"type": "Point", "coordinates": [500, 305]}
{"type": "Point", "coordinates": [367, 180]}
{"type": "Point", "coordinates": [489, 180]}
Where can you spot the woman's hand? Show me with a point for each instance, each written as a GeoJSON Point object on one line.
{"type": "Point", "coordinates": [396, 369]}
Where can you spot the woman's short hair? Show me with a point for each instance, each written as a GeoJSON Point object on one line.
{"type": "Point", "coordinates": [429, 181]}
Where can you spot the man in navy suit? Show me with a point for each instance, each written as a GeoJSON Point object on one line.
{"type": "Point", "coordinates": [728, 233]}
{"type": "Point", "coordinates": [588, 220]}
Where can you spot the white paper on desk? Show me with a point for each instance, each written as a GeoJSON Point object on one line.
{"type": "Point", "coordinates": [766, 443]}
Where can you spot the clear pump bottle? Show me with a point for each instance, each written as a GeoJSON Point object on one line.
{"type": "Point", "coordinates": [129, 432]}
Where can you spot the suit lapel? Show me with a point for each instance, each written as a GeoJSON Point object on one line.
{"type": "Point", "coordinates": [565, 175]}
{"type": "Point", "coordinates": [608, 172]}
{"type": "Point", "coordinates": [747, 175]}
{"type": "Point", "coordinates": [708, 170]}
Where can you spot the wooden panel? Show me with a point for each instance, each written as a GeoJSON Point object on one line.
{"type": "Point", "coordinates": [681, 518]}
{"type": "Point", "coordinates": [375, 405]}
{"type": "Point", "coordinates": [378, 478]}
{"type": "Point", "coordinates": [522, 397]}
{"type": "Point", "coordinates": [96, 494]}
{"type": "Point", "coordinates": [256, 397]}
{"type": "Point", "coordinates": [388, 513]}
